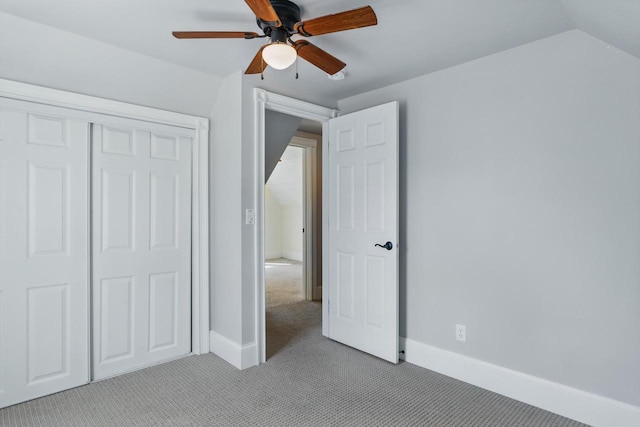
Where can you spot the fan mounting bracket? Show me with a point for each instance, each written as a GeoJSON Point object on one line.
{"type": "Point", "coordinates": [289, 14]}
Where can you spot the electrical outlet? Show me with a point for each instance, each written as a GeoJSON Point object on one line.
{"type": "Point", "coordinates": [461, 333]}
{"type": "Point", "coordinates": [250, 216]}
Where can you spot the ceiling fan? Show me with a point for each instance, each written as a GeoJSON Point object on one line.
{"type": "Point", "coordinates": [279, 20]}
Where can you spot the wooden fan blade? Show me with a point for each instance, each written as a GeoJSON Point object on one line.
{"type": "Point", "coordinates": [263, 10]}
{"type": "Point", "coordinates": [214, 35]}
{"type": "Point", "coordinates": [257, 65]}
{"type": "Point", "coordinates": [318, 57]}
{"type": "Point", "coordinates": [357, 18]}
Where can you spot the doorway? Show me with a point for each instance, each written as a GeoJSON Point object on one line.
{"type": "Point", "coordinates": [266, 102]}
{"type": "Point", "coordinates": [360, 198]}
{"type": "Point", "coordinates": [292, 229]}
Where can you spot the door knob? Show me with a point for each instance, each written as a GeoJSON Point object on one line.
{"type": "Point", "coordinates": [388, 246]}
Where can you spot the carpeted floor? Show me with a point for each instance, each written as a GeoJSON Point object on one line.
{"type": "Point", "coordinates": [308, 381]}
{"type": "Point", "coordinates": [283, 284]}
{"type": "Point", "coordinates": [283, 279]}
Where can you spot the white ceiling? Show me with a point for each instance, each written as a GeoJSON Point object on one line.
{"type": "Point", "coordinates": [413, 37]}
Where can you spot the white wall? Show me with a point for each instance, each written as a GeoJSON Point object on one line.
{"type": "Point", "coordinates": [520, 207]}
{"type": "Point", "coordinates": [283, 237]}
{"type": "Point", "coordinates": [226, 211]}
{"type": "Point", "coordinates": [272, 226]}
{"type": "Point", "coordinates": [292, 238]}
{"type": "Point", "coordinates": [286, 186]}
{"type": "Point", "coordinates": [38, 54]}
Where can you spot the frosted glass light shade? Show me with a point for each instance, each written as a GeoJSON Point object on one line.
{"type": "Point", "coordinates": [279, 55]}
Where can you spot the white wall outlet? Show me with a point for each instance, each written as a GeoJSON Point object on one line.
{"type": "Point", "coordinates": [461, 333]}
{"type": "Point", "coordinates": [250, 216]}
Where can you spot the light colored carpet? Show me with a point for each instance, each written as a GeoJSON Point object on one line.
{"type": "Point", "coordinates": [283, 279]}
{"type": "Point", "coordinates": [284, 288]}
{"type": "Point", "coordinates": [308, 381]}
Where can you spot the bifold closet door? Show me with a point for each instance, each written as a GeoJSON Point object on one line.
{"type": "Point", "coordinates": [44, 249]}
{"type": "Point", "coordinates": [141, 202]}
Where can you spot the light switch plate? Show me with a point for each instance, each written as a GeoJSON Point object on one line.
{"type": "Point", "coordinates": [250, 216]}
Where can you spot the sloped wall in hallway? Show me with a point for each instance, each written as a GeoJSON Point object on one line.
{"type": "Point", "coordinates": [279, 129]}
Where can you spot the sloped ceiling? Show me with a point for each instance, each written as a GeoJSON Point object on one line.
{"type": "Point", "coordinates": [285, 183]}
{"type": "Point", "coordinates": [413, 37]}
{"type": "Point", "coordinates": [278, 130]}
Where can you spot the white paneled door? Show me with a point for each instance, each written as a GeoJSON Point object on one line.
{"type": "Point", "coordinates": [141, 246]}
{"type": "Point", "coordinates": [44, 283]}
{"type": "Point", "coordinates": [363, 230]}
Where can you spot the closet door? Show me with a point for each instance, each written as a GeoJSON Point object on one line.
{"type": "Point", "coordinates": [141, 247]}
{"type": "Point", "coordinates": [44, 247]}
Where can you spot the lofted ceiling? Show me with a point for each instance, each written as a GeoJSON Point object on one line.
{"type": "Point", "coordinates": [413, 37]}
{"type": "Point", "coordinates": [285, 183]}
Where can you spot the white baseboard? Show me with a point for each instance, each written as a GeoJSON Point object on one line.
{"type": "Point", "coordinates": [572, 403]}
{"type": "Point", "coordinates": [272, 255]}
{"type": "Point", "coordinates": [240, 356]}
{"type": "Point", "coordinates": [295, 256]}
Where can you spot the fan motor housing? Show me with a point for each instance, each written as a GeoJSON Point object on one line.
{"type": "Point", "coordinates": [289, 14]}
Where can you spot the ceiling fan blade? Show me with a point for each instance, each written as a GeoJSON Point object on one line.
{"type": "Point", "coordinates": [357, 18]}
{"type": "Point", "coordinates": [258, 64]}
{"type": "Point", "coordinates": [214, 35]}
{"type": "Point", "coordinates": [318, 57]}
{"type": "Point", "coordinates": [263, 10]}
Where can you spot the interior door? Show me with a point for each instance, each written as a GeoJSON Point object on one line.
{"type": "Point", "coordinates": [141, 246]}
{"type": "Point", "coordinates": [363, 217]}
{"type": "Point", "coordinates": [44, 248]}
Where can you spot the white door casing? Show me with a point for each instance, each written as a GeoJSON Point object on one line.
{"type": "Point", "coordinates": [312, 213]}
{"type": "Point", "coordinates": [265, 100]}
{"type": "Point", "coordinates": [363, 212]}
{"type": "Point", "coordinates": [141, 246]}
{"type": "Point", "coordinates": [44, 252]}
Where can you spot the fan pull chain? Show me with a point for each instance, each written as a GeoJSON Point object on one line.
{"type": "Point", "coordinates": [296, 68]}
{"type": "Point", "coordinates": [263, 67]}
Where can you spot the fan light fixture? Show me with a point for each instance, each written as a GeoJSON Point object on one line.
{"type": "Point", "coordinates": [279, 20]}
{"type": "Point", "coordinates": [279, 55]}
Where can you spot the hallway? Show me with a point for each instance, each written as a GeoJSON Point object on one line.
{"type": "Point", "coordinates": [289, 316]}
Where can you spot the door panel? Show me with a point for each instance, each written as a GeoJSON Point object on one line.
{"type": "Point", "coordinates": [345, 285]}
{"type": "Point", "coordinates": [164, 211]}
{"type": "Point", "coordinates": [47, 332]}
{"type": "Point", "coordinates": [363, 211]}
{"type": "Point", "coordinates": [142, 247]}
{"type": "Point", "coordinates": [118, 226]}
{"type": "Point", "coordinates": [116, 307]}
{"type": "Point", "coordinates": [47, 208]}
{"type": "Point", "coordinates": [163, 301]}
{"type": "Point", "coordinates": [118, 141]}
{"type": "Point", "coordinates": [346, 197]}
{"type": "Point", "coordinates": [50, 131]}
{"type": "Point", "coordinates": [43, 251]}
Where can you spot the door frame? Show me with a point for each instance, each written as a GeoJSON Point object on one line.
{"type": "Point", "coordinates": [265, 100]}
{"type": "Point", "coordinates": [309, 143]}
{"type": "Point", "coordinates": [200, 180]}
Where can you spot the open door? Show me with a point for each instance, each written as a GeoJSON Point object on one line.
{"type": "Point", "coordinates": [363, 230]}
